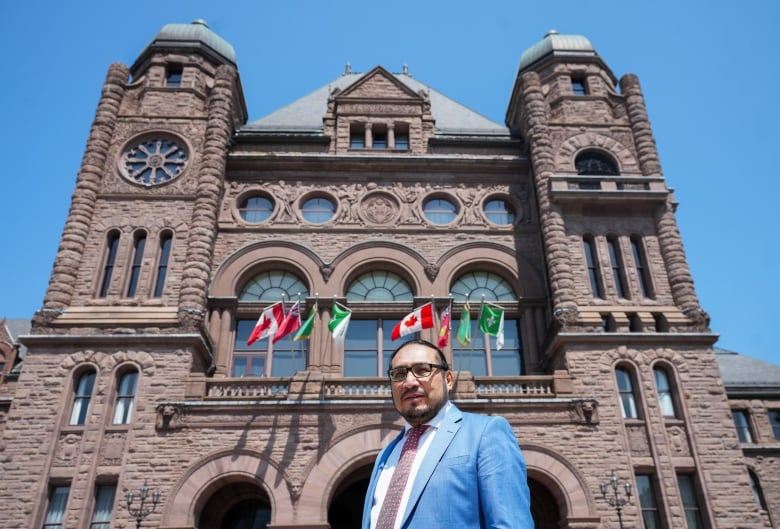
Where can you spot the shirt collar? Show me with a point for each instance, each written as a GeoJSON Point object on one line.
{"type": "Point", "coordinates": [436, 421]}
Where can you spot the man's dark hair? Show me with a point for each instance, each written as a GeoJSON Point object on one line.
{"type": "Point", "coordinates": [425, 343]}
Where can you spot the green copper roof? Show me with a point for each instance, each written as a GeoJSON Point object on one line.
{"type": "Point", "coordinates": [560, 45]}
{"type": "Point", "coordinates": [194, 34]}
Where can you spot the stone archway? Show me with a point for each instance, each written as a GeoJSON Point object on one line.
{"type": "Point", "coordinates": [242, 473]}
{"type": "Point", "coordinates": [346, 507]}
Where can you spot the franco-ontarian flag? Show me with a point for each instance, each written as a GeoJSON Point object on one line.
{"type": "Point", "coordinates": [339, 321]}
{"type": "Point", "coordinates": [491, 322]}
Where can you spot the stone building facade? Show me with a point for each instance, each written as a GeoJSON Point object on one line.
{"type": "Point", "coordinates": [378, 194]}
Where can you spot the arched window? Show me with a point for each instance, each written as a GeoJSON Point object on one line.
{"type": "Point", "coordinates": [595, 164]}
{"type": "Point", "coordinates": [263, 357]}
{"type": "Point", "coordinates": [166, 240]}
{"type": "Point", "coordinates": [479, 354]}
{"type": "Point", "coordinates": [112, 246]}
{"type": "Point", "coordinates": [589, 245]}
{"type": "Point", "coordinates": [275, 285]}
{"type": "Point", "coordinates": [628, 398]}
{"type": "Point", "coordinates": [640, 262]}
{"type": "Point", "coordinates": [379, 286]}
{"type": "Point", "coordinates": [139, 243]}
{"type": "Point", "coordinates": [368, 343]}
{"type": "Point", "coordinates": [618, 270]}
{"type": "Point", "coordinates": [666, 400]}
{"type": "Point", "coordinates": [82, 394]}
{"type": "Point", "coordinates": [125, 396]}
{"type": "Point", "coordinates": [476, 286]}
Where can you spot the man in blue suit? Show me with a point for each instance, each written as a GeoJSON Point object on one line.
{"type": "Point", "coordinates": [467, 471]}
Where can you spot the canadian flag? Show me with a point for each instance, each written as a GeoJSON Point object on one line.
{"type": "Point", "coordinates": [269, 321]}
{"type": "Point", "coordinates": [418, 320]}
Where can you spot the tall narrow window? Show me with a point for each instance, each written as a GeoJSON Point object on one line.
{"type": "Point", "coordinates": [742, 424]}
{"type": "Point", "coordinates": [357, 136]}
{"type": "Point", "coordinates": [591, 260]}
{"type": "Point", "coordinates": [112, 245]}
{"type": "Point", "coordinates": [104, 505]}
{"type": "Point", "coordinates": [368, 346]}
{"type": "Point", "coordinates": [626, 391]}
{"type": "Point", "coordinates": [135, 267]}
{"type": "Point", "coordinates": [173, 75]}
{"type": "Point", "coordinates": [774, 420]}
{"type": "Point", "coordinates": [645, 491]}
{"type": "Point", "coordinates": [55, 514]}
{"type": "Point", "coordinates": [166, 239]}
{"type": "Point", "coordinates": [690, 501]}
{"type": "Point", "coordinates": [758, 494]}
{"type": "Point", "coordinates": [664, 389]}
{"type": "Point", "coordinates": [641, 266]}
{"type": "Point", "coordinates": [125, 396]}
{"type": "Point", "coordinates": [81, 398]}
{"type": "Point", "coordinates": [618, 274]}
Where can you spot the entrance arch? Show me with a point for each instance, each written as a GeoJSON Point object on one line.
{"type": "Point", "coordinates": [241, 505]}
{"type": "Point", "coordinates": [346, 508]}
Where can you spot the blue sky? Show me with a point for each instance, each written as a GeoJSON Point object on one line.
{"type": "Point", "coordinates": [710, 72]}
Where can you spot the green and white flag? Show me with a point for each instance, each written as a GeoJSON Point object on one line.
{"type": "Point", "coordinates": [491, 322]}
{"type": "Point", "coordinates": [339, 321]}
{"type": "Point", "coordinates": [304, 333]}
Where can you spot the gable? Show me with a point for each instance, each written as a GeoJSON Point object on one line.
{"type": "Point", "coordinates": [379, 84]}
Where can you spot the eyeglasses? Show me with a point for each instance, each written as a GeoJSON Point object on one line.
{"type": "Point", "coordinates": [398, 374]}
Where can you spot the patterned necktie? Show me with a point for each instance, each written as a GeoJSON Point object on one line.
{"type": "Point", "coordinates": [389, 510]}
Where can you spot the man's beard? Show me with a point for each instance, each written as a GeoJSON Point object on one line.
{"type": "Point", "coordinates": [425, 413]}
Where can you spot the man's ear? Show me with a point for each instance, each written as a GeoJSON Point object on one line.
{"type": "Point", "coordinates": [449, 378]}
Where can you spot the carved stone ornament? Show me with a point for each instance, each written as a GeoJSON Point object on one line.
{"type": "Point", "coordinates": [431, 270]}
{"type": "Point", "coordinates": [67, 449]}
{"type": "Point", "coordinates": [168, 417]}
{"type": "Point", "coordinates": [585, 412]}
{"type": "Point", "coordinates": [380, 208]}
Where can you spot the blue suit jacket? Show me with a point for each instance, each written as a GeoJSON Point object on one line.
{"type": "Point", "coordinates": [473, 476]}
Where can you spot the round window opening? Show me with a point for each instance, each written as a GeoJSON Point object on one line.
{"type": "Point", "coordinates": [154, 160]}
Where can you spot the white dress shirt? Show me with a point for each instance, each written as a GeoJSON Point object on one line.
{"type": "Point", "coordinates": [392, 461]}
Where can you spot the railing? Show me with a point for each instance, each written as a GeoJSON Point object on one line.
{"type": "Point", "coordinates": [370, 388]}
{"type": "Point", "coordinates": [361, 388]}
{"type": "Point", "coordinates": [257, 388]}
{"type": "Point", "coordinates": [526, 386]}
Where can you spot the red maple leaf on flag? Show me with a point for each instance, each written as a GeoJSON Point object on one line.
{"type": "Point", "coordinates": [411, 321]}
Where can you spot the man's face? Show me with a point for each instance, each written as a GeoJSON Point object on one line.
{"type": "Point", "coordinates": [419, 399]}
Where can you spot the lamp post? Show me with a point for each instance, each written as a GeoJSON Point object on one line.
{"type": "Point", "coordinates": [610, 491]}
{"type": "Point", "coordinates": [143, 509]}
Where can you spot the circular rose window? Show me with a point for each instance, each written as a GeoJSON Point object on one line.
{"type": "Point", "coordinates": [154, 160]}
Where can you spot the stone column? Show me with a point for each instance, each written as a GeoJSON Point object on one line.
{"type": "Point", "coordinates": [203, 225]}
{"type": "Point", "coordinates": [82, 208]}
{"type": "Point", "coordinates": [644, 141]}
{"type": "Point", "coordinates": [536, 131]}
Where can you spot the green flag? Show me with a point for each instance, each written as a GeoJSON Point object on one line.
{"type": "Point", "coordinates": [305, 331]}
{"type": "Point", "coordinates": [339, 321]}
{"type": "Point", "coordinates": [491, 322]}
{"type": "Point", "coordinates": [464, 327]}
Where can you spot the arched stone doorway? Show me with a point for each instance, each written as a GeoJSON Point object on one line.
{"type": "Point", "coordinates": [346, 508]}
{"type": "Point", "coordinates": [544, 508]}
{"type": "Point", "coordinates": [239, 505]}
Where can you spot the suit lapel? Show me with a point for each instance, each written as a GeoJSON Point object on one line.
{"type": "Point", "coordinates": [447, 430]}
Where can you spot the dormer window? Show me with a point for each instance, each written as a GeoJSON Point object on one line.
{"type": "Point", "coordinates": [173, 75]}
{"type": "Point", "coordinates": [578, 86]}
